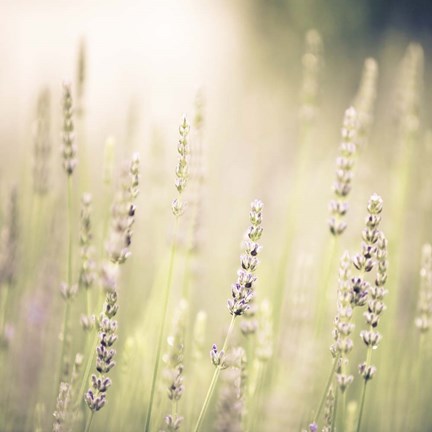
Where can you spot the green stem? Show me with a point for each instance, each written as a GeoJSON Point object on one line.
{"type": "Point", "coordinates": [90, 356]}
{"type": "Point", "coordinates": [214, 380]}
{"type": "Point", "coordinates": [362, 405]}
{"type": "Point", "coordinates": [254, 398]}
{"type": "Point", "coordinates": [89, 422]}
{"type": "Point", "coordinates": [326, 272]}
{"type": "Point", "coordinates": [333, 422]}
{"type": "Point", "coordinates": [165, 298]}
{"type": "Point", "coordinates": [368, 361]}
{"type": "Point", "coordinates": [292, 221]}
{"type": "Point", "coordinates": [69, 281]}
{"type": "Point", "coordinates": [187, 276]}
{"type": "Point", "coordinates": [88, 302]}
{"type": "Point", "coordinates": [3, 309]}
{"type": "Point", "coordinates": [414, 417]}
{"type": "Point", "coordinates": [69, 269]}
{"type": "Point", "coordinates": [343, 410]}
{"type": "Point", "coordinates": [326, 389]}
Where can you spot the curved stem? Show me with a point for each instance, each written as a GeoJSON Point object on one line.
{"type": "Point", "coordinates": [165, 299]}
{"type": "Point", "coordinates": [213, 381]}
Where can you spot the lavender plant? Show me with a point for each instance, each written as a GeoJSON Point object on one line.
{"type": "Point", "coordinates": [178, 207]}
{"type": "Point", "coordinates": [344, 166]}
{"type": "Point", "coordinates": [175, 364]}
{"type": "Point", "coordinates": [242, 292]}
{"type": "Point", "coordinates": [281, 379]}
{"type": "Point", "coordinates": [67, 289]}
{"type": "Point", "coordinates": [123, 218]}
{"type": "Point", "coordinates": [375, 302]}
{"type": "Point", "coordinates": [107, 333]}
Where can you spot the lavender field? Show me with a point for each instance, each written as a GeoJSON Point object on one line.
{"type": "Point", "coordinates": [215, 216]}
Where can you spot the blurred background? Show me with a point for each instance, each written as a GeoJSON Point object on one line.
{"type": "Point", "coordinates": [145, 63]}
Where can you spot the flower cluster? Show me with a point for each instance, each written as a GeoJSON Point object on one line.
{"type": "Point", "coordinates": [174, 360]}
{"type": "Point", "coordinates": [366, 259]}
{"type": "Point", "coordinates": [69, 147]}
{"type": "Point", "coordinates": [231, 403]}
{"type": "Point", "coordinates": [182, 169]}
{"type": "Point", "coordinates": [42, 144]}
{"type": "Point", "coordinates": [87, 272]}
{"type": "Point", "coordinates": [243, 290]}
{"type": "Point", "coordinates": [328, 411]}
{"type": "Point", "coordinates": [424, 308]}
{"type": "Point", "coordinates": [123, 213]}
{"type": "Point", "coordinates": [218, 358]}
{"type": "Point", "coordinates": [9, 241]}
{"type": "Point", "coordinates": [375, 246]}
{"type": "Point", "coordinates": [107, 326]}
{"type": "Point", "coordinates": [61, 411]}
{"type": "Point", "coordinates": [343, 326]}
{"type": "Point", "coordinates": [344, 165]}
{"type": "Point", "coordinates": [312, 65]}
{"type": "Point", "coordinates": [410, 85]}
{"type": "Point", "coordinates": [365, 100]}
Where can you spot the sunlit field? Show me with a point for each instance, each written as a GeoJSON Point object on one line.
{"type": "Point", "coordinates": [212, 219]}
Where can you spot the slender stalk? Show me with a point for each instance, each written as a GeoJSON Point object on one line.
{"type": "Point", "coordinates": [214, 380]}
{"type": "Point", "coordinates": [3, 309]}
{"type": "Point", "coordinates": [326, 389]}
{"type": "Point", "coordinates": [327, 273]}
{"type": "Point", "coordinates": [417, 411]}
{"type": "Point", "coordinates": [90, 357]}
{"type": "Point", "coordinates": [187, 276]}
{"type": "Point", "coordinates": [343, 410]}
{"type": "Point", "coordinates": [303, 159]}
{"type": "Point", "coordinates": [165, 298]}
{"type": "Point", "coordinates": [88, 302]}
{"type": "Point", "coordinates": [361, 406]}
{"type": "Point", "coordinates": [69, 203]}
{"type": "Point", "coordinates": [333, 423]}
{"type": "Point", "coordinates": [69, 278]}
{"type": "Point", "coordinates": [255, 398]}
{"type": "Point", "coordinates": [368, 360]}
{"type": "Point", "coordinates": [89, 422]}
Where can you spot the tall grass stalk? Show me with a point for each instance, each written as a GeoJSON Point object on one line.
{"type": "Point", "coordinates": [214, 379]}
{"type": "Point", "coordinates": [312, 63]}
{"type": "Point", "coordinates": [64, 331]}
{"type": "Point", "coordinates": [89, 422]}
{"type": "Point", "coordinates": [362, 403]}
{"type": "Point", "coordinates": [410, 93]}
{"type": "Point", "coordinates": [335, 409]}
{"type": "Point", "coordinates": [326, 390]}
{"type": "Point", "coordinates": [327, 271]}
{"type": "Point", "coordinates": [165, 299]}
{"type": "Point", "coordinates": [177, 207]}
{"type": "Point", "coordinates": [255, 396]}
